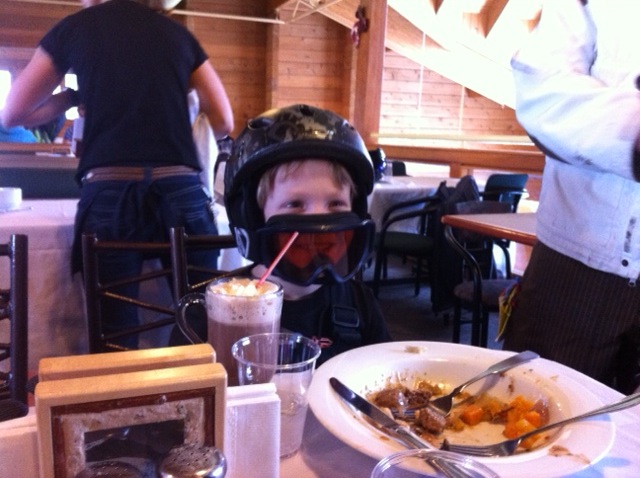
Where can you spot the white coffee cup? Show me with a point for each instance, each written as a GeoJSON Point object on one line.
{"type": "Point", "coordinates": [10, 198]}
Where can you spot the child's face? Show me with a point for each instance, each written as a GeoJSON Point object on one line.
{"type": "Point", "coordinates": [310, 188]}
{"type": "Point", "coordinates": [307, 189]}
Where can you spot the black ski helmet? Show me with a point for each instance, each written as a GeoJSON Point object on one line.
{"type": "Point", "coordinates": [287, 134]}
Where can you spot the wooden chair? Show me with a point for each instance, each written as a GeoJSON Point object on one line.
{"type": "Point", "coordinates": [189, 276]}
{"type": "Point", "coordinates": [97, 291]}
{"type": "Point", "coordinates": [479, 286]}
{"type": "Point", "coordinates": [14, 310]}
{"type": "Point", "coordinates": [176, 270]}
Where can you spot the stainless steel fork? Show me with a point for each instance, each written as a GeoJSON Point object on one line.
{"type": "Point", "coordinates": [508, 447]}
{"type": "Point", "coordinates": [444, 403]}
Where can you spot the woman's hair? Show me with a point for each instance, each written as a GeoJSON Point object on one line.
{"type": "Point", "coordinates": [267, 181]}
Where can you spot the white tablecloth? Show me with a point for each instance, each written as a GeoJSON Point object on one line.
{"type": "Point", "coordinates": [394, 189]}
{"type": "Point", "coordinates": [324, 456]}
{"type": "Point", "coordinates": [56, 305]}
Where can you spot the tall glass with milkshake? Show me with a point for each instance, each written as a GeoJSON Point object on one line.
{"type": "Point", "coordinates": [236, 307]}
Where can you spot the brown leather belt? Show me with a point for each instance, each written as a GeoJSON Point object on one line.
{"type": "Point", "coordinates": [132, 173]}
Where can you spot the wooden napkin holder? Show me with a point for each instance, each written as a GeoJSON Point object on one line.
{"type": "Point", "coordinates": [127, 407]}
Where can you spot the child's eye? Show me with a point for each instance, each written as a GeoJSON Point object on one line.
{"type": "Point", "coordinates": [293, 204]}
{"type": "Point", "coordinates": [339, 204]}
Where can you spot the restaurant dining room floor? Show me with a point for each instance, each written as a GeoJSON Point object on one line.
{"type": "Point", "coordinates": [410, 317]}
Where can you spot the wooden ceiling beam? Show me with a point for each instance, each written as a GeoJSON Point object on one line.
{"type": "Point", "coordinates": [436, 4]}
{"type": "Point", "coordinates": [275, 4]}
{"type": "Point", "coordinates": [486, 18]}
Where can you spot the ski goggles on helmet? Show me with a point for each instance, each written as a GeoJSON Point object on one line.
{"type": "Point", "coordinates": [329, 247]}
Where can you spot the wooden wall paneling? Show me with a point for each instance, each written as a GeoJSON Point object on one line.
{"type": "Point", "coordinates": [309, 66]}
{"type": "Point", "coordinates": [237, 50]}
{"type": "Point", "coordinates": [22, 25]}
{"type": "Point", "coordinates": [465, 160]}
{"type": "Point", "coordinates": [350, 97]}
{"type": "Point", "coordinates": [271, 66]}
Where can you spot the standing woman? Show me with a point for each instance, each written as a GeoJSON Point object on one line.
{"type": "Point", "coordinates": [139, 168]}
{"type": "Point", "coordinates": [578, 96]}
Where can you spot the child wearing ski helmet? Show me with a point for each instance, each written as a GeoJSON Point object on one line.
{"type": "Point", "coordinates": [303, 169]}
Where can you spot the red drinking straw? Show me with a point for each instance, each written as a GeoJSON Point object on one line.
{"type": "Point", "coordinates": [278, 257]}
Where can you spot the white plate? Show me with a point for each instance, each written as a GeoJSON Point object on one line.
{"type": "Point", "coordinates": [368, 368]}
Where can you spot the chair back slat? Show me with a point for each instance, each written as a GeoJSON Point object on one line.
{"type": "Point", "coordinates": [14, 309]}
{"type": "Point", "coordinates": [97, 291]}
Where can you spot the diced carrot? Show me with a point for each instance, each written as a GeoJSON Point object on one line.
{"type": "Point", "coordinates": [522, 404]}
{"type": "Point", "coordinates": [533, 417]}
{"type": "Point", "coordinates": [528, 443]}
{"type": "Point", "coordinates": [510, 430]}
{"type": "Point", "coordinates": [472, 415]}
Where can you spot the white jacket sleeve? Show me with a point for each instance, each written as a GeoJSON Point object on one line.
{"type": "Point", "coordinates": [576, 83]}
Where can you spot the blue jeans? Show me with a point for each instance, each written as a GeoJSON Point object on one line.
{"type": "Point", "coordinates": [140, 211]}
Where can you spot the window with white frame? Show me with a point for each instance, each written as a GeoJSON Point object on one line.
{"type": "Point", "coordinates": [5, 85]}
{"type": "Point", "coordinates": [70, 81]}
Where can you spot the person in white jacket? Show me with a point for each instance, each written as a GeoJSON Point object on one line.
{"type": "Point", "coordinates": [577, 95]}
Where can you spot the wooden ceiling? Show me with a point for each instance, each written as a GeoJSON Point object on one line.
{"type": "Point", "coordinates": [468, 41]}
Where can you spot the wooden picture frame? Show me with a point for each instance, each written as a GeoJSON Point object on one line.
{"type": "Point", "coordinates": [132, 418]}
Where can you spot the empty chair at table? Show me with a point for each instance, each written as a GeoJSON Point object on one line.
{"type": "Point", "coordinates": [505, 187]}
{"type": "Point", "coordinates": [398, 168]}
{"type": "Point", "coordinates": [479, 285]}
{"type": "Point", "coordinates": [14, 319]}
{"type": "Point", "coordinates": [418, 244]}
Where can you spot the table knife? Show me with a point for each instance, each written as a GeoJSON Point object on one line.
{"type": "Point", "coordinates": [378, 416]}
{"type": "Point", "coordinates": [393, 428]}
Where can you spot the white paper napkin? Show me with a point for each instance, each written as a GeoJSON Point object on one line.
{"type": "Point", "coordinates": [252, 431]}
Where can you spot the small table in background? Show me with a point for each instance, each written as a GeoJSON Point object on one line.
{"type": "Point", "coordinates": [519, 228]}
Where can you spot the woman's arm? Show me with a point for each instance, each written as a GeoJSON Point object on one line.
{"type": "Point", "coordinates": [573, 95]}
{"type": "Point", "coordinates": [213, 99]}
{"type": "Point", "coordinates": [30, 102]}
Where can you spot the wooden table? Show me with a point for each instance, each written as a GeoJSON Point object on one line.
{"type": "Point", "coordinates": [519, 227]}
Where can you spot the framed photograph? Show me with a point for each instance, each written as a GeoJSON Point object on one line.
{"type": "Point", "coordinates": [128, 421]}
